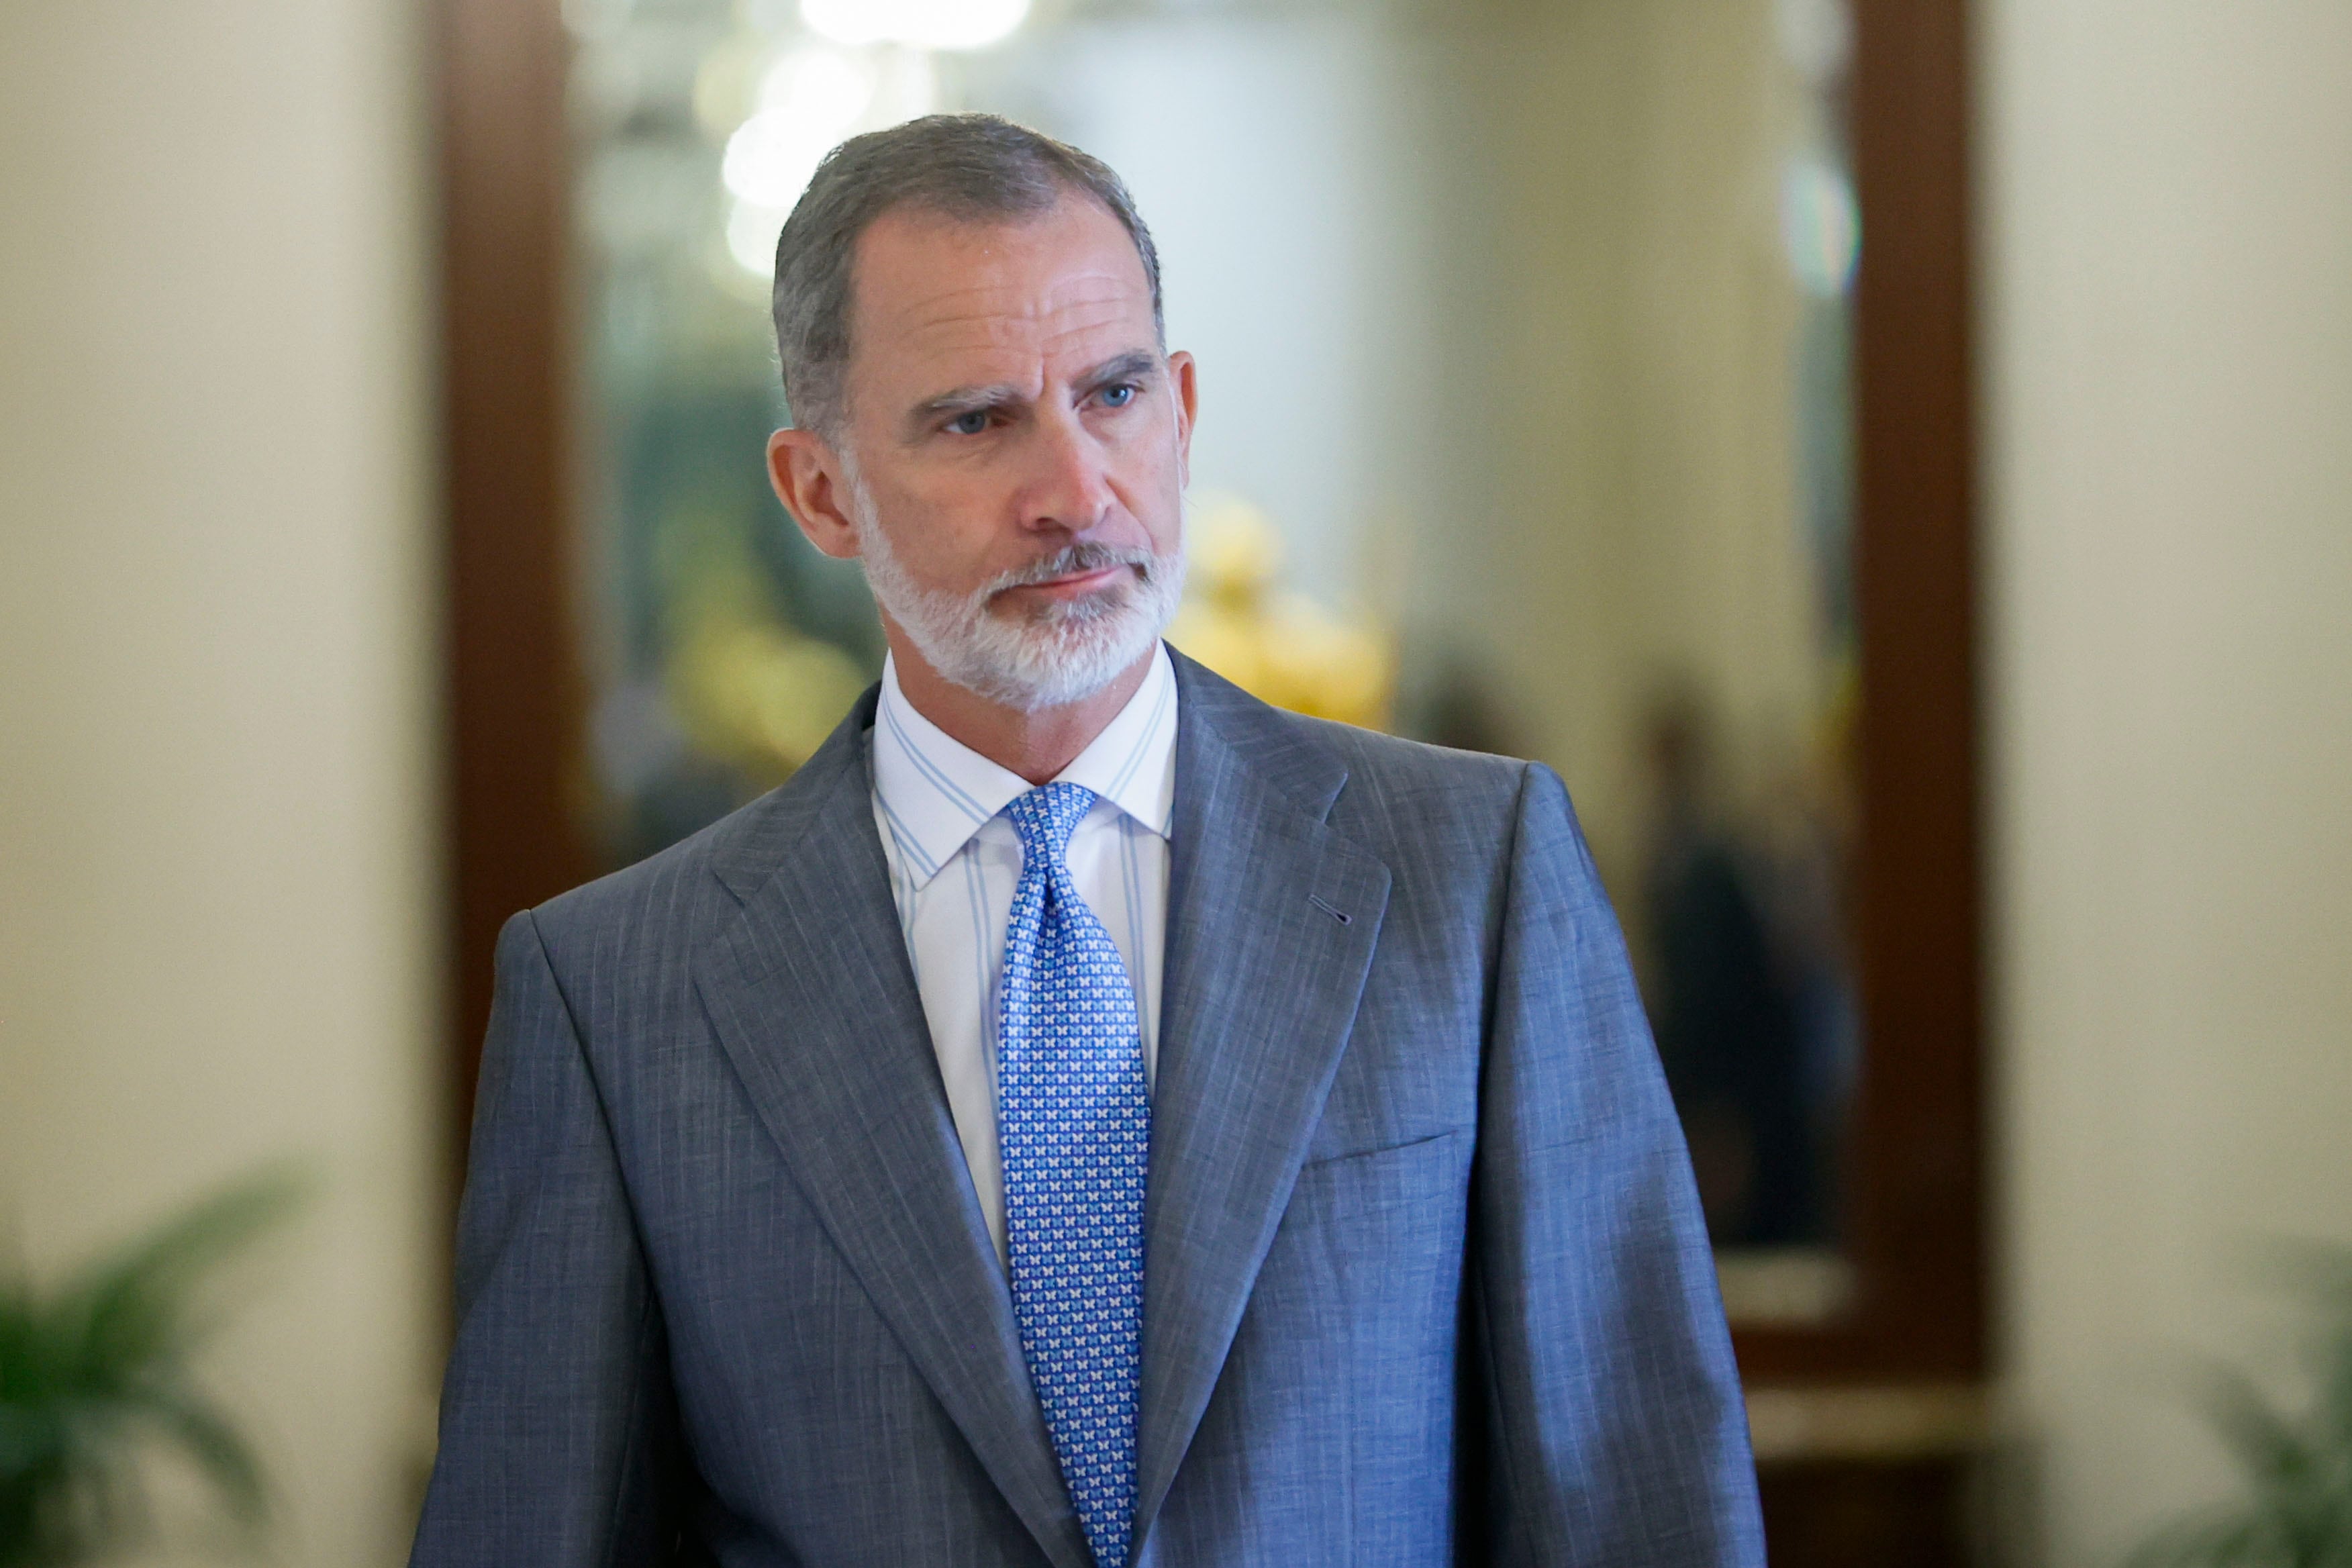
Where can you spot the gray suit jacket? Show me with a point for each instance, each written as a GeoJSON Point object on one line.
{"type": "Point", "coordinates": [1425, 1278]}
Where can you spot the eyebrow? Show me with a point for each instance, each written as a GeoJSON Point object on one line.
{"type": "Point", "coordinates": [1136, 364]}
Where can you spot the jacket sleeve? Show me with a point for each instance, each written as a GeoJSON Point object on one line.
{"type": "Point", "coordinates": [558, 1443]}
{"type": "Point", "coordinates": [1615, 1431]}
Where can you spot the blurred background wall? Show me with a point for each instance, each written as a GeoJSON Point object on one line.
{"type": "Point", "coordinates": [2165, 194]}
{"type": "Point", "coordinates": [218, 745]}
{"type": "Point", "coordinates": [218, 861]}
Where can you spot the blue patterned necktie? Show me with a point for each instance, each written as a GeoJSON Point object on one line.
{"type": "Point", "coordinates": [1075, 1128]}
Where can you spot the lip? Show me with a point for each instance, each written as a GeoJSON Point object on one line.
{"type": "Point", "coordinates": [1077, 584]}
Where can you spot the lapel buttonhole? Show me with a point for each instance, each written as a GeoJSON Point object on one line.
{"type": "Point", "coordinates": [1342, 916]}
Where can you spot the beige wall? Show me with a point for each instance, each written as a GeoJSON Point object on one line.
{"type": "Point", "coordinates": [2167, 191]}
{"type": "Point", "coordinates": [216, 855]}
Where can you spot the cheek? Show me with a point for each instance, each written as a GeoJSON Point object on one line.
{"type": "Point", "coordinates": [946, 534]}
{"type": "Point", "coordinates": [1152, 486]}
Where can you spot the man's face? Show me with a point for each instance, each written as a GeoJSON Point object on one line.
{"type": "Point", "coordinates": [1017, 447]}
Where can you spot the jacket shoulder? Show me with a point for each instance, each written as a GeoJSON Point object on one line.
{"type": "Point", "coordinates": [1391, 774]}
{"type": "Point", "coordinates": [1396, 765]}
{"type": "Point", "coordinates": [671, 891]}
{"type": "Point", "coordinates": [1438, 817]}
{"type": "Point", "coordinates": [1310, 755]}
{"type": "Point", "coordinates": [643, 898]}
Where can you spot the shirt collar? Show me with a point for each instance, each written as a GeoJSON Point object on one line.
{"type": "Point", "coordinates": [936, 792]}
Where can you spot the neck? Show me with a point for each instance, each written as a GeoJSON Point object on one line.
{"type": "Point", "coordinates": [1036, 745]}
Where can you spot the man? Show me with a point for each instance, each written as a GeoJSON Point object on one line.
{"type": "Point", "coordinates": [1087, 1116]}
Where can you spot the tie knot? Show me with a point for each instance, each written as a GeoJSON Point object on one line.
{"type": "Point", "coordinates": [1046, 817]}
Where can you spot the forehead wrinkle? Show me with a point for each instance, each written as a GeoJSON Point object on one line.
{"type": "Point", "coordinates": [1010, 306]}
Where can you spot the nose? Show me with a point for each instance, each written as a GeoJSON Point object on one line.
{"type": "Point", "coordinates": [1067, 488]}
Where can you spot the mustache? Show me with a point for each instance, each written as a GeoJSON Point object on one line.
{"type": "Point", "coordinates": [1068, 561]}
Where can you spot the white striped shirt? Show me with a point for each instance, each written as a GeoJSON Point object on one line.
{"type": "Point", "coordinates": [954, 862]}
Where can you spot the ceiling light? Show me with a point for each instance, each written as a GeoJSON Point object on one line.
{"type": "Point", "coordinates": [809, 101]}
{"type": "Point", "coordinates": [919, 24]}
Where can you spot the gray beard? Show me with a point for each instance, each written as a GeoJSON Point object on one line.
{"type": "Point", "coordinates": [1054, 655]}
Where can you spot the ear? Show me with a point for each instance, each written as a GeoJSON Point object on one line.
{"type": "Point", "coordinates": [808, 478]}
{"type": "Point", "coordinates": [1184, 379]}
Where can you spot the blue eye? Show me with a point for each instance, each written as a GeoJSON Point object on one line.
{"type": "Point", "coordinates": [1119, 396]}
{"type": "Point", "coordinates": [970, 423]}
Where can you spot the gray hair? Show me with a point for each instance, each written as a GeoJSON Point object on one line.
{"type": "Point", "coordinates": [975, 168]}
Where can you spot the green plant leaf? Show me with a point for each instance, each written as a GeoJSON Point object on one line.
{"type": "Point", "coordinates": [145, 1303]}
{"type": "Point", "coordinates": [2264, 1442]}
{"type": "Point", "coordinates": [206, 1436]}
{"type": "Point", "coordinates": [97, 1371]}
{"type": "Point", "coordinates": [2298, 1509]}
{"type": "Point", "coordinates": [2225, 1539]}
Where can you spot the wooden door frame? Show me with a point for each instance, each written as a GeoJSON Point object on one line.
{"type": "Point", "coordinates": [1916, 1214]}
{"type": "Point", "coordinates": [512, 692]}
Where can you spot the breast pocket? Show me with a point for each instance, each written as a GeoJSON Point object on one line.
{"type": "Point", "coordinates": [1398, 1210]}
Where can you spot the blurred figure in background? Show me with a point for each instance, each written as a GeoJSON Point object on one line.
{"type": "Point", "coordinates": [1721, 1000]}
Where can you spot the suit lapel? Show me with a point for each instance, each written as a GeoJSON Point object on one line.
{"type": "Point", "coordinates": [814, 998]}
{"type": "Point", "coordinates": [1271, 924]}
